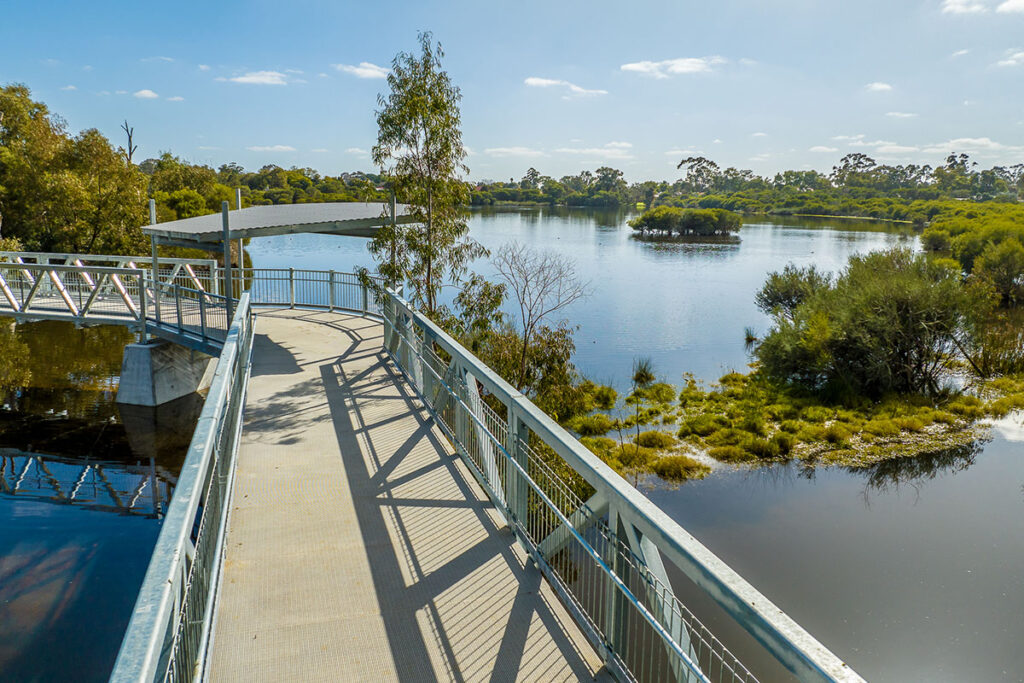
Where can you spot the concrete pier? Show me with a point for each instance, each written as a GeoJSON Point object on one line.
{"type": "Point", "coordinates": [155, 373]}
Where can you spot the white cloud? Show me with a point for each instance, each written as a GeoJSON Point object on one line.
{"type": "Point", "coordinates": [759, 135]}
{"type": "Point", "coordinates": [103, 93]}
{"type": "Point", "coordinates": [859, 136]}
{"type": "Point", "coordinates": [321, 75]}
{"type": "Point", "coordinates": [823, 148]}
{"type": "Point", "coordinates": [69, 87]}
{"type": "Point", "coordinates": [357, 151]}
{"type": "Point", "coordinates": [970, 146]}
{"type": "Point", "coordinates": [513, 152]}
{"type": "Point", "coordinates": [120, 92]}
{"type": "Point", "coordinates": [873, 143]}
{"type": "Point", "coordinates": [207, 148]}
{"type": "Point", "coordinates": [158, 59]}
{"type": "Point", "coordinates": [900, 115]}
{"type": "Point", "coordinates": [963, 7]}
{"type": "Point", "coordinates": [262, 78]}
{"type": "Point", "coordinates": [717, 141]}
{"type": "Point", "coordinates": [176, 98]}
{"type": "Point", "coordinates": [959, 53]}
{"type": "Point", "coordinates": [1011, 6]}
{"type": "Point", "coordinates": [1013, 58]}
{"type": "Point", "coordinates": [682, 152]}
{"type": "Point", "coordinates": [671, 67]}
{"type": "Point", "coordinates": [364, 70]}
{"type": "Point", "coordinates": [878, 86]}
{"type": "Point", "coordinates": [204, 67]}
{"type": "Point", "coordinates": [271, 148]}
{"type": "Point", "coordinates": [745, 61]}
{"type": "Point", "coordinates": [572, 88]}
{"type": "Point", "coordinates": [611, 150]}
{"type": "Point", "coordinates": [145, 94]}
{"type": "Point", "coordinates": [294, 71]}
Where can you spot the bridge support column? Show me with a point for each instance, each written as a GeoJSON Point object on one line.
{"type": "Point", "coordinates": [155, 373]}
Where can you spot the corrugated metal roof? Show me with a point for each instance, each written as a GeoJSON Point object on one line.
{"type": "Point", "coordinates": [342, 218]}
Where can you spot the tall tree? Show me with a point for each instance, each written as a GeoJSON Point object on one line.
{"type": "Point", "coordinates": [419, 144]}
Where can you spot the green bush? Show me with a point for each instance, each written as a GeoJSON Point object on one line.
{"type": "Point", "coordinates": [702, 425]}
{"type": "Point", "coordinates": [910, 424]}
{"type": "Point", "coordinates": [591, 425]}
{"type": "Point", "coordinates": [655, 439]}
{"type": "Point", "coordinates": [678, 468]}
{"type": "Point", "coordinates": [836, 434]}
{"type": "Point", "coordinates": [761, 448]}
{"type": "Point", "coordinates": [730, 454]}
{"type": "Point", "coordinates": [784, 441]}
{"type": "Point", "coordinates": [882, 427]}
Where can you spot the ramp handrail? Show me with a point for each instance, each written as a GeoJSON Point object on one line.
{"type": "Point", "coordinates": [169, 629]}
{"type": "Point", "coordinates": [597, 539]}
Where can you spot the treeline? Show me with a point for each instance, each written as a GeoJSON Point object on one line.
{"type": "Point", "coordinates": [857, 186]}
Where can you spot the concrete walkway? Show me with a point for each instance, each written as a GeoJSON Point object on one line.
{"type": "Point", "coordinates": [359, 547]}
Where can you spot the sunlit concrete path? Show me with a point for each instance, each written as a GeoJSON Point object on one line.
{"type": "Point", "coordinates": [359, 546]}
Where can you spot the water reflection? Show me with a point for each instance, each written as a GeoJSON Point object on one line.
{"type": "Point", "coordinates": [83, 484]}
{"type": "Point", "coordinates": [889, 476]}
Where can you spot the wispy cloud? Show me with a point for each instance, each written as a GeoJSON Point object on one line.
{"type": "Point", "coordinates": [271, 148]}
{"type": "Point", "coordinates": [847, 138]}
{"type": "Point", "coordinates": [878, 86]}
{"type": "Point", "coordinates": [823, 148]}
{"type": "Point", "coordinates": [87, 67]}
{"type": "Point", "coordinates": [900, 115]}
{"type": "Point", "coordinates": [1012, 58]}
{"type": "Point", "coordinates": [157, 59]}
{"type": "Point", "coordinates": [963, 7]}
{"type": "Point", "coordinates": [895, 150]}
{"type": "Point", "coordinates": [673, 67]}
{"type": "Point", "coordinates": [207, 148]}
{"type": "Point", "coordinates": [759, 135]}
{"type": "Point", "coordinates": [363, 70]}
{"type": "Point", "coordinates": [971, 146]}
{"type": "Point", "coordinates": [204, 67]}
{"type": "Point", "coordinates": [145, 94]}
{"type": "Point", "coordinates": [502, 152]}
{"type": "Point", "coordinates": [261, 78]}
{"type": "Point", "coordinates": [683, 152]}
{"type": "Point", "coordinates": [176, 98]}
{"type": "Point", "coordinates": [611, 150]}
{"type": "Point", "coordinates": [959, 53]}
{"type": "Point", "coordinates": [570, 88]}
{"type": "Point", "coordinates": [69, 87]}
{"type": "Point", "coordinates": [1011, 6]}
{"type": "Point", "coordinates": [358, 151]}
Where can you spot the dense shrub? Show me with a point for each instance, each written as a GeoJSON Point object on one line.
{"type": "Point", "coordinates": [655, 439]}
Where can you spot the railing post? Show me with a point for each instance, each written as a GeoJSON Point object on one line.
{"type": "Point", "coordinates": [202, 316]}
{"type": "Point", "coordinates": [291, 288]}
{"type": "Point", "coordinates": [366, 298]}
{"type": "Point", "coordinates": [177, 305]}
{"type": "Point", "coordinates": [330, 287]}
{"type": "Point", "coordinates": [515, 488]}
{"type": "Point", "coordinates": [144, 336]}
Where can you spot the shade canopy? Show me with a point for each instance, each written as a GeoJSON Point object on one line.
{"type": "Point", "coordinates": [357, 219]}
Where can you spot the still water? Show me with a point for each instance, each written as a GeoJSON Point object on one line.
{"type": "Point", "coordinates": [911, 571]}
{"type": "Point", "coordinates": [83, 485]}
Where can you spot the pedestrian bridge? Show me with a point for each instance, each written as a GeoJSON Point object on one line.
{"type": "Point", "coordinates": [363, 499]}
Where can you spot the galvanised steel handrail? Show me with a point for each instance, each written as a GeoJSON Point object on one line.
{"type": "Point", "coordinates": [169, 630]}
{"type": "Point", "coordinates": [603, 555]}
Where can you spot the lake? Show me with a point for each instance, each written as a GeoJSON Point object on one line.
{"type": "Point", "coordinates": [909, 571]}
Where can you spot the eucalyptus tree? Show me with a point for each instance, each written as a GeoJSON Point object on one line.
{"type": "Point", "coordinates": [419, 145]}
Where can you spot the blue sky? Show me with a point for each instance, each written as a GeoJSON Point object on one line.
{"type": "Point", "coordinates": [561, 86]}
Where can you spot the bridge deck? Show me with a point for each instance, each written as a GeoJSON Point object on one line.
{"type": "Point", "coordinates": [359, 546]}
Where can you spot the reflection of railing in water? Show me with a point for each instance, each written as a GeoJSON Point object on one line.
{"type": "Point", "coordinates": [104, 485]}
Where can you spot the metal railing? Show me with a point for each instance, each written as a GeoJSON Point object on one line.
{"type": "Point", "coordinates": [167, 636]}
{"type": "Point", "coordinates": [89, 294]}
{"type": "Point", "coordinates": [328, 289]}
{"type": "Point", "coordinates": [600, 543]}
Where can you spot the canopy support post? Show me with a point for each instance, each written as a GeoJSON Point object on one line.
{"type": "Point", "coordinates": [226, 242]}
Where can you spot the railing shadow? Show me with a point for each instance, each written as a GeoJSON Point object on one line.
{"type": "Point", "coordinates": [407, 485]}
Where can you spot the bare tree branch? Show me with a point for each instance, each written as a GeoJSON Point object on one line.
{"type": "Point", "coordinates": [541, 283]}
